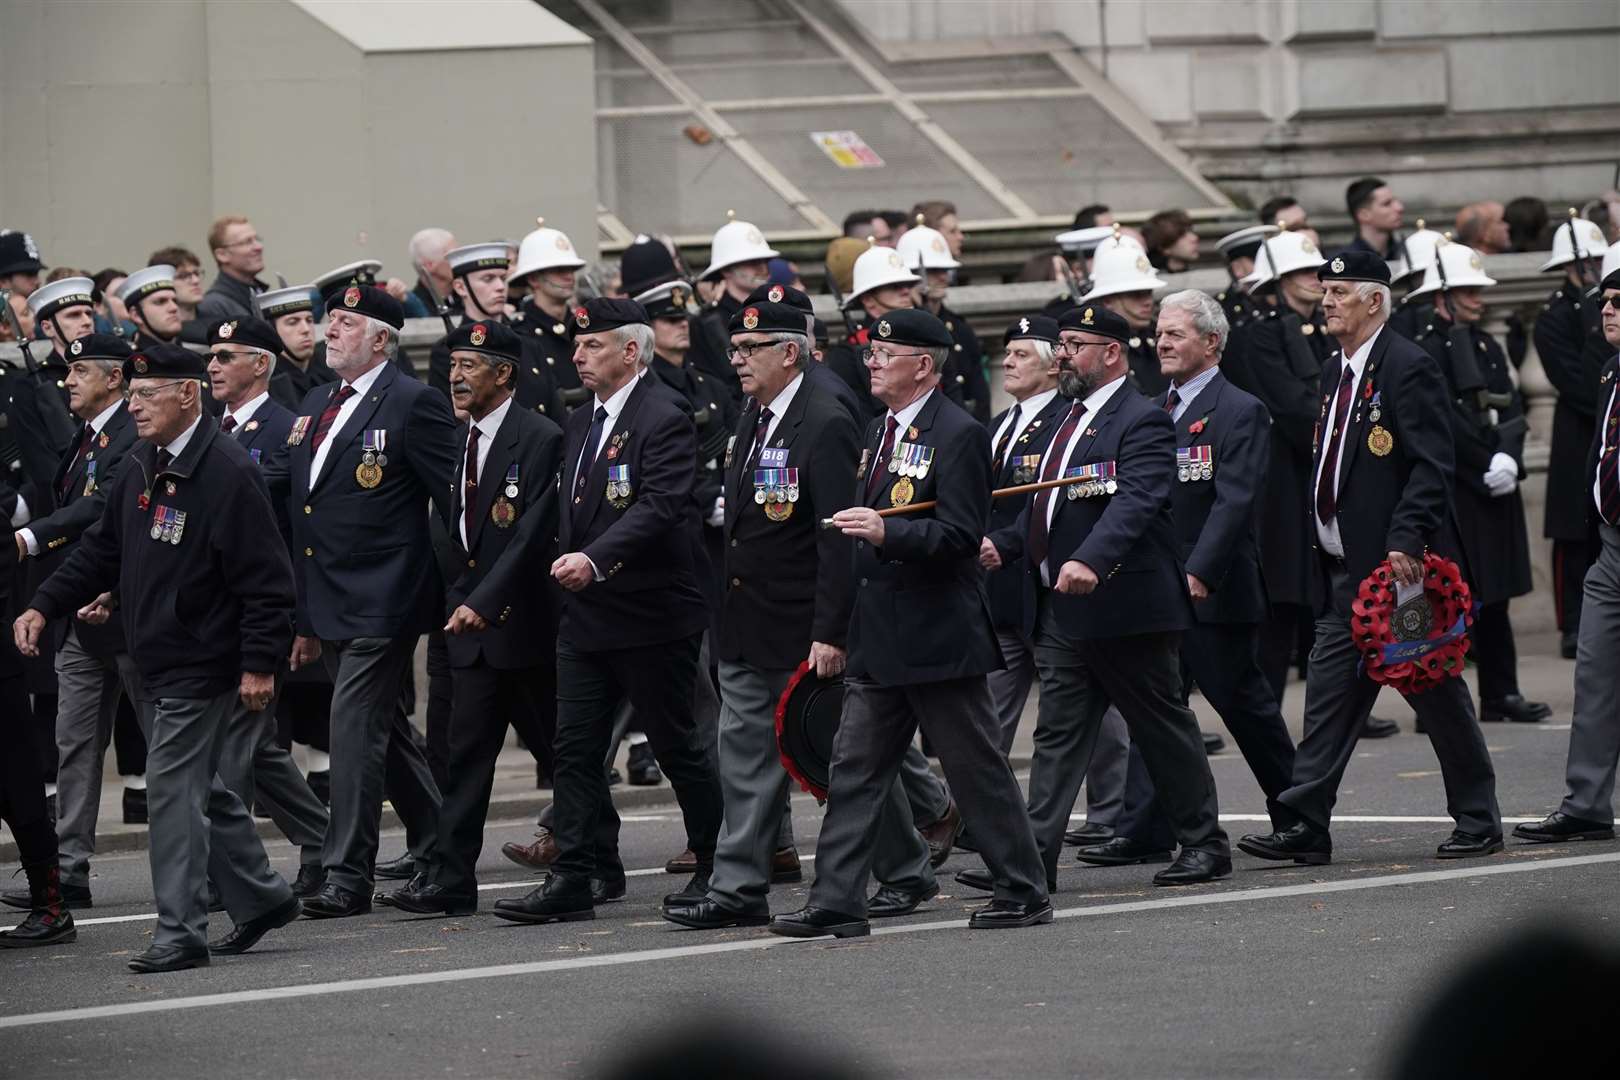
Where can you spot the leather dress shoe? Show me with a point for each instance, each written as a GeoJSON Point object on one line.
{"type": "Point", "coordinates": [819, 922]}
{"type": "Point", "coordinates": [560, 898]}
{"type": "Point", "coordinates": [1301, 843]}
{"type": "Point", "coordinates": [981, 879]}
{"type": "Point", "coordinates": [1560, 826]}
{"type": "Point", "coordinates": [695, 889]}
{"type": "Point", "coordinates": [311, 876]}
{"type": "Point", "coordinates": [336, 902]}
{"type": "Point", "coordinates": [1010, 915]}
{"type": "Point", "coordinates": [423, 897]}
{"type": "Point", "coordinates": [160, 958]}
{"type": "Point", "coordinates": [537, 855]}
{"type": "Point", "coordinates": [1466, 845]}
{"type": "Point", "coordinates": [74, 898]}
{"type": "Point", "coordinates": [889, 902]}
{"type": "Point", "coordinates": [135, 806]}
{"type": "Point", "coordinates": [1377, 727]}
{"type": "Point", "coordinates": [710, 914]}
{"type": "Point", "coordinates": [604, 891]}
{"type": "Point", "coordinates": [1513, 709]}
{"type": "Point", "coordinates": [642, 767]}
{"type": "Point", "coordinates": [1122, 851]}
{"type": "Point", "coordinates": [246, 935]}
{"type": "Point", "coordinates": [1088, 835]}
{"type": "Point", "coordinates": [941, 835]}
{"type": "Point", "coordinates": [785, 867]}
{"type": "Point", "coordinates": [1194, 867]}
{"type": "Point", "coordinates": [684, 863]}
{"type": "Point", "coordinates": [400, 869]}
{"type": "Point", "coordinates": [1213, 743]}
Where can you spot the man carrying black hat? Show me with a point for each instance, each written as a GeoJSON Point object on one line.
{"type": "Point", "coordinates": [206, 598]}
{"type": "Point", "coordinates": [502, 631]}
{"type": "Point", "coordinates": [920, 643]}
{"type": "Point", "coordinates": [1381, 490]}
{"type": "Point", "coordinates": [363, 462]}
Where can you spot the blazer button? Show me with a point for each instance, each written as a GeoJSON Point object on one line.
{"type": "Point", "coordinates": [863, 583]}
{"type": "Point", "coordinates": [472, 562]}
{"type": "Point", "coordinates": [309, 509]}
{"type": "Point", "coordinates": [736, 583]}
{"type": "Point", "coordinates": [309, 552]}
{"type": "Point", "coordinates": [734, 543]}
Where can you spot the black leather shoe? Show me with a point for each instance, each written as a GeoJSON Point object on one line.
{"type": "Point", "coordinates": [976, 879]}
{"type": "Point", "coordinates": [1088, 835]}
{"type": "Point", "coordinates": [785, 867]}
{"type": "Point", "coordinates": [710, 914]}
{"type": "Point", "coordinates": [1463, 845]}
{"type": "Point", "coordinates": [941, 835]}
{"type": "Point", "coordinates": [74, 898]}
{"type": "Point", "coordinates": [1515, 710]}
{"type": "Point", "coordinates": [1122, 851]}
{"type": "Point", "coordinates": [422, 897]}
{"type": "Point", "coordinates": [642, 767]}
{"type": "Point", "coordinates": [311, 876]}
{"type": "Point", "coordinates": [607, 892]}
{"type": "Point", "coordinates": [1567, 644]}
{"type": "Point", "coordinates": [244, 937]}
{"type": "Point", "coordinates": [1560, 826]}
{"type": "Point", "coordinates": [889, 903]}
{"type": "Point", "coordinates": [336, 902]}
{"type": "Point", "coordinates": [321, 784]}
{"type": "Point", "coordinates": [135, 806]}
{"type": "Point", "coordinates": [1213, 743]}
{"type": "Point", "coordinates": [400, 869]}
{"type": "Point", "coordinates": [1301, 843]}
{"type": "Point", "coordinates": [1194, 867]}
{"type": "Point", "coordinates": [160, 958]}
{"type": "Point", "coordinates": [560, 898]}
{"type": "Point", "coordinates": [1009, 915]}
{"type": "Point", "coordinates": [695, 890]}
{"type": "Point", "coordinates": [819, 922]}
{"type": "Point", "coordinates": [1377, 727]}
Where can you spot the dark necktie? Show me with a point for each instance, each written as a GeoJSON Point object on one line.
{"type": "Point", "coordinates": [881, 465]}
{"type": "Point", "coordinates": [1171, 400]}
{"type": "Point", "coordinates": [1327, 484]}
{"type": "Point", "coordinates": [78, 456]}
{"type": "Point", "coordinates": [1609, 466]}
{"type": "Point", "coordinates": [1038, 536]}
{"type": "Point", "coordinates": [761, 430]}
{"type": "Point", "coordinates": [469, 495]}
{"type": "Point", "coordinates": [227, 423]}
{"type": "Point", "coordinates": [587, 456]}
{"type": "Point", "coordinates": [1006, 441]}
{"type": "Point", "coordinates": [329, 415]}
{"type": "Point", "coordinates": [164, 460]}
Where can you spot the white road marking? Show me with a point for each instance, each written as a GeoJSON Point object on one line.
{"type": "Point", "coordinates": [540, 967]}
{"type": "Point", "coordinates": [1364, 819]}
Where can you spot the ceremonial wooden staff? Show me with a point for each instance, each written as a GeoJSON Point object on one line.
{"type": "Point", "coordinates": [998, 493]}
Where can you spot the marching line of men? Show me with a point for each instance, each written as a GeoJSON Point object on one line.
{"type": "Point", "coordinates": [398, 512]}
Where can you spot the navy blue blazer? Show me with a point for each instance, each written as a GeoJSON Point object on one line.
{"type": "Point", "coordinates": [263, 436]}
{"type": "Point", "coordinates": [1010, 589]}
{"type": "Point", "coordinates": [1127, 538]}
{"type": "Point", "coordinates": [363, 557]}
{"type": "Point", "coordinates": [644, 550]}
{"type": "Point", "coordinates": [1216, 518]}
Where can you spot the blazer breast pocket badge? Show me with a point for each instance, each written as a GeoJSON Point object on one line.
{"type": "Point", "coordinates": [619, 492]}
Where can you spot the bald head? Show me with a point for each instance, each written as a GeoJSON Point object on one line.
{"type": "Point", "coordinates": [1483, 227]}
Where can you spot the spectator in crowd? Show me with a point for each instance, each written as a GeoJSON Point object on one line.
{"type": "Point", "coordinates": [239, 254]}
{"type": "Point", "coordinates": [898, 223]}
{"type": "Point", "coordinates": [110, 311]}
{"type": "Point", "coordinates": [1527, 223]}
{"type": "Point", "coordinates": [1377, 213]}
{"type": "Point", "coordinates": [433, 274]}
{"type": "Point", "coordinates": [1287, 209]}
{"type": "Point", "coordinates": [940, 214]}
{"type": "Point", "coordinates": [1483, 226]}
{"type": "Point", "coordinates": [188, 289]}
{"type": "Point", "coordinates": [859, 224]}
{"type": "Point", "coordinates": [1172, 244]}
{"type": "Point", "coordinates": [1092, 215]}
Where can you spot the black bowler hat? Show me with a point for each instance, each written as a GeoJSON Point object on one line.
{"type": "Point", "coordinates": [807, 718]}
{"type": "Point", "coordinates": [1032, 328]}
{"type": "Point", "coordinates": [251, 332]}
{"type": "Point", "coordinates": [494, 340]}
{"type": "Point", "coordinates": [367, 300]}
{"type": "Point", "coordinates": [605, 313]}
{"type": "Point", "coordinates": [911, 326]}
{"type": "Point", "coordinates": [164, 362]}
{"type": "Point", "coordinates": [99, 347]}
{"type": "Point", "coordinates": [1355, 266]}
{"type": "Point", "coordinates": [1096, 319]}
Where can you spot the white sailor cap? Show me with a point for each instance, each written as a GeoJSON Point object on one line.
{"type": "Point", "coordinates": [1244, 241]}
{"type": "Point", "coordinates": [278, 302]}
{"type": "Point", "coordinates": [47, 300]}
{"type": "Point", "coordinates": [470, 258]}
{"type": "Point", "coordinates": [144, 282]}
{"type": "Point", "coordinates": [1085, 241]}
{"type": "Point", "coordinates": [363, 272]}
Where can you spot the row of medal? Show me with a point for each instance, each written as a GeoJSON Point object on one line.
{"type": "Point", "coordinates": [911, 459]}
{"type": "Point", "coordinates": [776, 485]}
{"type": "Point", "coordinates": [1097, 478]}
{"type": "Point", "coordinates": [369, 472]}
{"type": "Point", "coordinates": [503, 513]}
{"type": "Point", "coordinates": [618, 486]}
{"type": "Point", "coordinates": [168, 524]}
{"type": "Point", "coordinates": [1195, 463]}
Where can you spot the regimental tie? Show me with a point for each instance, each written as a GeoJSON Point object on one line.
{"type": "Point", "coordinates": [227, 423]}
{"type": "Point", "coordinates": [78, 457]}
{"type": "Point", "coordinates": [469, 495]}
{"type": "Point", "coordinates": [587, 456]}
{"type": "Point", "coordinates": [1609, 466]}
{"type": "Point", "coordinates": [329, 415]}
{"type": "Point", "coordinates": [1006, 440]}
{"type": "Point", "coordinates": [1327, 499]}
{"type": "Point", "coordinates": [880, 467]}
{"type": "Point", "coordinates": [1038, 530]}
{"type": "Point", "coordinates": [1171, 401]}
{"type": "Point", "coordinates": [761, 429]}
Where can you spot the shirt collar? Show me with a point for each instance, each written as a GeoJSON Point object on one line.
{"type": "Point", "coordinates": [181, 441]}
{"type": "Point", "coordinates": [489, 425]}
{"type": "Point", "coordinates": [779, 405]}
{"type": "Point", "coordinates": [1358, 359]}
{"type": "Point", "coordinates": [1101, 396]}
{"type": "Point", "coordinates": [615, 404]}
{"type": "Point", "coordinates": [364, 382]}
{"type": "Point", "coordinates": [1194, 386]}
{"type": "Point", "coordinates": [906, 415]}
{"type": "Point", "coordinates": [105, 416]}
{"type": "Point", "coordinates": [245, 413]}
{"type": "Point", "coordinates": [1032, 405]}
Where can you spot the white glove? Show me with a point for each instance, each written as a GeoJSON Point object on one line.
{"type": "Point", "coordinates": [1503, 475]}
{"type": "Point", "coordinates": [717, 512]}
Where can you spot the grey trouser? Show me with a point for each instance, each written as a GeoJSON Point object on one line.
{"type": "Point", "coordinates": [1594, 735]}
{"type": "Point", "coordinates": [1105, 776]}
{"type": "Point", "coordinates": [258, 769]}
{"type": "Point", "coordinates": [1009, 687]}
{"type": "Point", "coordinates": [87, 703]}
{"type": "Point", "coordinates": [200, 831]}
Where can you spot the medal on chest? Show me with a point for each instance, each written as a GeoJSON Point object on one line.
{"type": "Point", "coordinates": [1195, 463]}
{"type": "Point", "coordinates": [89, 478]}
{"type": "Point", "coordinates": [911, 460]}
{"type": "Point", "coordinates": [1098, 478]}
{"type": "Point", "coordinates": [168, 524]}
{"type": "Point", "coordinates": [618, 491]}
{"type": "Point", "coordinates": [776, 490]}
{"type": "Point", "coordinates": [299, 429]}
{"type": "Point", "coordinates": [369, 473]}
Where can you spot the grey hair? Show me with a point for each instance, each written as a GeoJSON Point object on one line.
{"type": "Point", "coordinates": [1207, 316]}
{"type": "Point", "coordinates": [642, 335]}
{"type": "Point", "coordinates": [390, 336]}
{"type": "Point", "coordinates": [430, 243]}
{"type": "Point", "coordinates": [1044, 350]}
{"type": "Point", "coordinates": [938, 355]}
{"type": "Point", "coordinates": [792, 338]}
{"type": "Point", "coordinates": [1366, 290]}
{"type": "Point", "coordinates": [271, 370]}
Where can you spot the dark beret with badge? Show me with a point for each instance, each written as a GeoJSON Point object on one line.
{"type": "Point", "coordinates": [910, 326]}
{"type": "Point", "coordinates": [1355, 266]}
{"type": "Point", "coordinates": [370, 301]}
{"type": "Point", "coordinates": [164, 362]}
{"type": "Point", "coordinates": [807, 718]}
{"type": "Point", "coordinates": [768, 311]}
{"type": "Point", "coordinates": [497, 341]}
{"type": "Point", "coordinates": [248, 332]}
{"type": "Point", "coordinates": [1096, 319]}
{"type": "Point", "coordinates": [1032, 328]}
{"type": "Point", "coordinates": [606, 313]}
{"type": "Point", "coordinates": [104, 347]}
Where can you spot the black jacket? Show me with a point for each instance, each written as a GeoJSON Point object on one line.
{"type": "Point", "coordinates": [208, 598]}
{"type": "Point", "coordinates": [555, 346]}
{"type": "Point", "coordinates": [1010, 589]}
{"type": "Point", "coordinates": [967, 384]}
{"type": "Point", "coordinates": [263, 436]}
{"type": "Point", "coordinates": [291, 384]}
{"type": "Point", "coordinates": [1569, 339]}
{"type": "Point", "coordinates": [534, 383]}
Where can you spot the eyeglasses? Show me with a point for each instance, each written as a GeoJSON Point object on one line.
{"type": "Point", "coordinates": [881, 356]}
{"type": "Point", "coordinates": [1612, 301]}
{"type": "Point", "coordinates": [147, 393]}
{"type": "Point", "coordinates": [748, 348]}
{"type": "Point", "coordinates": [247, 241]}
{"type": "Point", "coordinates": [225, 356]}
{"type": "Point", "coordinates": [189, 275]}
{"type": "Point", "coordinates": [1072, 346]}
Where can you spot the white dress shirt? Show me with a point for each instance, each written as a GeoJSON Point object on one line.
{"type": "Point", "coordinates": [778, 406]}
{"type": "Point", "coordinates": [182, 440]}
{"type": "Point", "coordinates": [1328, 534]}
{"type": "Point", "coordinates": [361, 386]}
{"type": "Point", "coordinates": [1028, 409]}
{"type": "Point", "coordinates": [904, 418]}
{"type": "Point", "coordinates": [22, 513]}
{"type": "Point", "coordinates": [1094, 404]}
{"type": "Point", "coordinates": [1187, 393]}
{"type": "Point", "coordinates": [245, 413]}
{"type": "Point", "coordinates": [487, 427]}
{"type": "Point", "coordinates": [614, 406]}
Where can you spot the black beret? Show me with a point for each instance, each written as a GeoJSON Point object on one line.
{"type": "Point", "coordinates": [99, 347]}
{"type": "Point", "coordinates": [605, 313]}
{"type": "Point", "coordinates": [767, 317]}
{"type": "Point", "coordinates": [772, 293]}
{"type": "Point", "coordinates": [1612, 281]}
{"type": "Point", "coordinates": [254, 333]}
{"type": "Point", "coordinates": [164, 362]}
{"type": "Point", "coordinates": [1349, 265]}
{"type": "Point", "coordinates": [494, 340]}
{"type": "Point", "coordinates": [910, 326]}
{"type": "Point", "coordinates": [1096, 319]}
{"type": "Point", "coordinates": [1034, 328]}
{"type": "Point", "coordinates": [367, 300]}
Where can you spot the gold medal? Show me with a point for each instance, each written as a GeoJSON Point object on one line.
{"type": "Point", "coordinates": [368, 474]}
{"type": "Point", "coordinates": [502, 514]}
{"type": "Point", "coordinates": [1380, 441]}
{"type": "Point", "coordinates": [901, 493]}
{"type": "Point", "coordinates": [779, 511]}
